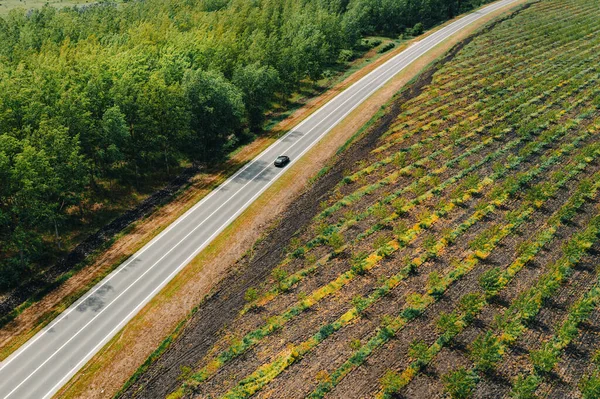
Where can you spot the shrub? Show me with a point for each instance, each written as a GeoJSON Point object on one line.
{"type": "Point", "coordinates": [429, 245]}
{"type": "Point", "coordinates": [346, 55]}
{"type": "Point", "coordinates": [415, 303]}
{"type": "Point", "coordinates": [419, 188]}
{"type": "Point", "coordinates": [299, 253]}
{"type": "Point", "coordinates": [418, 29]}
{"type": "Point", "coordinates": [381, 241]}
{"type": "Point", "coordinates": [435, 284]}
{"type": "Point", "coordinates": [486, 351]}
{"type": "Point", "coordinates": [335, 240]}
{"type": "Point", "coordinates": [465, 164]}
{"type": "Point", "coordinates": [447, 323]}
{"type": "Point", "coordinates": [544, 359]}
{"type": "Point", "coordinates": [386, 331]}
{"type": "Point", "coordinates": [434, 181]}
{"type": "Point", "coordinates": [460, 383]}
{"type": "Point", "coordinates": [373, 42]}
{"type": "Point", "coordinates": [490, 281]}
{"type": "Point", "coordinates": [391, 381]}
{"type": "Point", "coordinates": [471, 304]}
{"type": "Point", "coordinates": [590, 386]}
{"type": "Point", "coordinates": [398, 205]}
{"type": "Point", "coordinates": [355, 344]}
{"type": "Point", "coordinates": [400, 229]}
{"type": "Point", "coordinates": [596, 357]}
{"type": "Point", "coordinates": [323, 228]}
{"type": "Point", "coordinates": [536, 195]}
{"type": "Point", "coordinates": [409, 265]}
{"type": "Point", "coordinates": [498, 167]}
{"type": "Point", "coordinates": [302, 296]}
{"type": "Point", "coordinates": [482, 241]}
{"type": "Point", "coordinates": [385, 251]}
{"type": "Point", "coordinates": [525, 387]}
{"type": "Point", "coordinates": [10, 273]}
{"type": "Point", "coordinates": [360, 304]}
{"type": "Point", "coordinates": [279, 275]}
{"type": "Point", "coordinates": [358, 263]}
{"type": "Point", "coordinates": [400, 159]}
{"type": "Point", "coordinates": [323, 377]}
{"type": "Point", "coordinates": [410, 313]}
{"type": "Point", "coordinates": [251, 295]}
{"type": "Point", "coordinates": [418, 351]}
{"type": "Point", "coordinates": [525, 249]}
{"type": "Point", "coordinates": [310, 260]}
{"type": "Point", "coordinates": [380, 211]}
{"type": "Point", "coordinates": [472, 180]}
{"type": "Point", "coordinates": [386, 47]}
{"type": "Point", "coordinates": [326, 331]}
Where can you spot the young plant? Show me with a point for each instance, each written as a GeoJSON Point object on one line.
{"type": "Point", "coordinates": [544, 359]}
{"type": "Point", "coordinates": [391, 381]}
{"type": "Point", "coordinates": [490, 281]}
{"type": "Point", "coordinates": [360, 303]}
{"type": "Point", "coordinates": [448, 324]}
{"type": "Point", "coordinates": [486, 351]}
{"type": "Point", "coordinates": [460, 383]}
{"type": "Point", "coordinates": [336, 241]}
{"type": "Point", "coordinates": [358, 263]}
{"type": "Point", "coordinates": [418, 352]}
{"type": "Point", "coordinates": [590, 386]}
{"type": "Point", "coordinates": [525, 387]}
{"type": "Point", "coordinates": [435, 284]}
{"type": "Point", "coordinates": [251, 295]}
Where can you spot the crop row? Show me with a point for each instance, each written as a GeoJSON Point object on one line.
{"type": "Point", "coordinates": [435, 190]}
{"type": "Point", "coordinates": [509, 37]}
{"type": "Point", "coordinates": [502, 102]}
{"type": "Point", "coordinates": [524, 122]}
{"type": "Point", "coordinates": [453, 142]}
{"type": "Point", "coordinates": [500, 71]}
{"type": "Point", "coordinates": [275, 323]}
{"type": "Point", "coordinates": [429, 219]}
{"type": "Point", "coordinates": [404, 207]}
{"type": "Point", "coordinates": [481, 247]}
{"type": "Point", "coordinates": [546, 358]}
{"type": "Point", "coordinates": [489, 347]}
{"type": "Point", "coordinates": [416, 305]}
{"type": "Point", "coordinates": [492, 282]}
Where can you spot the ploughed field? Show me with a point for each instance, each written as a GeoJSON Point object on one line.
{"type": "Point", "coordinates": [460, 257]}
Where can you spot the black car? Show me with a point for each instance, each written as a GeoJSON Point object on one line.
{"type": "Point", "coordinates": [282, 160]}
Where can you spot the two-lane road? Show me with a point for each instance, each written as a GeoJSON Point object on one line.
{"type": "Point", "coordinates": [47, 361]}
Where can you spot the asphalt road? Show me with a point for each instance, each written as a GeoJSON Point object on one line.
{"type": "Point", "coordinates": [49, 359]}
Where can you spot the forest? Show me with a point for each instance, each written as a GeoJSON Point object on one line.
{"type": "Point", "coordinates": [112, 95]}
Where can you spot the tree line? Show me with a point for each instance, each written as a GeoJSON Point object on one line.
{"type": "Point", "coordinates": [126, 92]}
